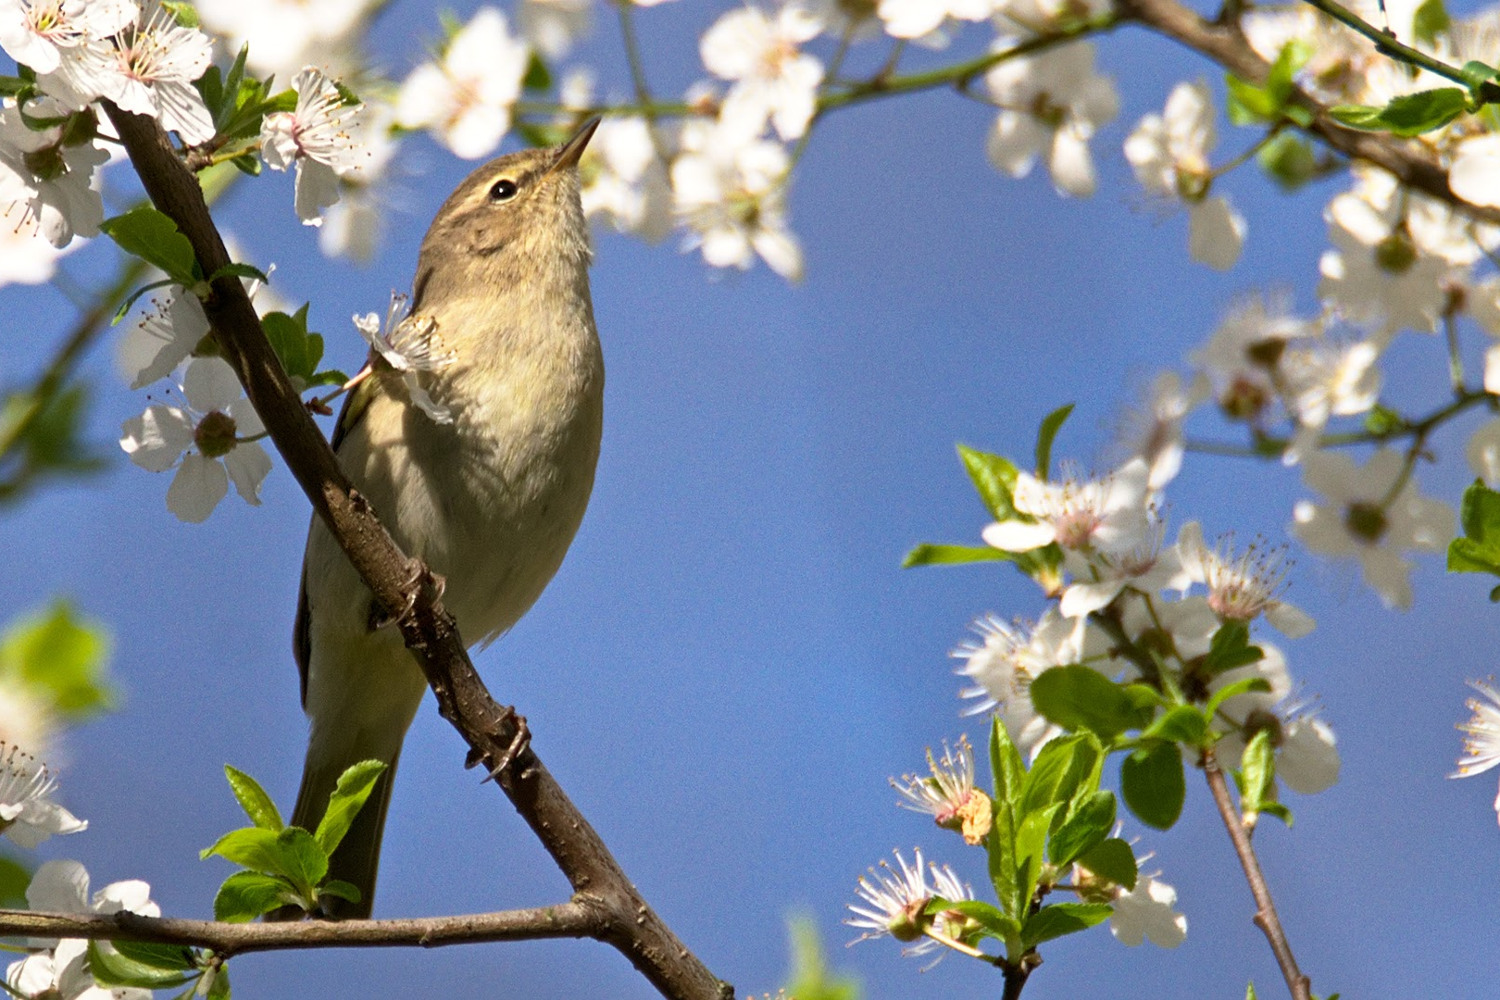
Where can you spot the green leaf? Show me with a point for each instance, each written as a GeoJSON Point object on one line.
{"type": "Point", "coordinates": [1230, 648]}
{"type": "Point", "coordinates": [157, 955]}
{"type": "Point", "coordinates": [246, 895]}
{"type": "Point", "coordinates": [14, 878]}
{"type": "Point", "coordinates": [1078, 697]}
{"type": "Point", "coordinates": [1000, 846]}
{"type": "Point", "coordinates": [1060, 768]}
{"type": "Point", "coordinates": [1031, 843]}
{"type": "Point", "coordinates": [1477, 74]}
{"type": "Point", "coordinates": [538, 76]}
{"type": "Point", "coordinates": [1060, 919]}
{"type": "Point", "coordinates": [1179, 724]}
{"type": "Point", "coordinates": [1288, 160]}
{"type": "Point", "coordinates": [928, 554]}
{"type": "Point", "coordinates": [1430, 20]}
{"type": "Point", "coordinates": [1045, 434]}
{"type": "Point", "coordinates": [354, 787]}
{"type": "Point", "coordinates": [1257, 776]}
{"type": "Point", "coordinates": [1281, 79]}
{"type": "Point", "coordinates": [303, 858]}
{"type": "Point", "coordinates": [1468, 556]}
{"type": "Point", "coordinates": [1407, 114]}
{"type": "Point", "coordinates": [63, 654]}
{"type": "Point", "coordinates": [292, 853]}
{"type": "Point", "coordinates": [291, 341]}
{"type": "Point", "coordinates": [995, 479]}
{"type": "Point", "coordinates": [1479, 515]}
{"type": "Point", "coordinates": [1250, 991]}
{"type": "Point", "coordinates": [994, 921]}
{"type": "Point", "coordinates": [340, 889]}
{"type": "Point", "coordinates": [253, 799]}
{"type": "Point", "coordinates": [240, 271]}
{"type": "Point", "coordinates": [1249, 104]}
{"type": "Point", "coordinates": [250, 847]}
{"type": "Point", "coordinates": [1152, 782]}
{"type": "Point", "coordinates": [151, 236]}
{"type": "Point", "coordinates": [1088, 827]}
{"type": "Point", "coordinates": [1242, 686]}
{"type": "Point", "coordinates": [217, 979]}
{"type": "Point", "coordinates": [112, 969]}
{"type": "Point", "coordinates": [811, 979]}
{"type": "Point", "coordinates": [1111, 859]}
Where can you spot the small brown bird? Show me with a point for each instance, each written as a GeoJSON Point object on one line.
{"type": "Point", "coordinates": [486, 480]}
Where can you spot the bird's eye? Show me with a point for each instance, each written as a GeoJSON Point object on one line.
{"type": "Point", "coordinates": [503, 190]}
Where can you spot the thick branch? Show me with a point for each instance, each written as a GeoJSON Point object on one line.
{"type": "Point", "coordinates": [1265, 908]}
{"type": "Point", "coordinates": [1225, 45]}
{"type": "Point", "coordinates": [429, 631]}
{"type": "Point", "coordinates": [574, 919]}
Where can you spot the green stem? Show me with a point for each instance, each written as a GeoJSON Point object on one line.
{"type": "Point", "coordinates": [1386, 44]}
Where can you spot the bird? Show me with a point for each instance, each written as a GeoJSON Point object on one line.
{"type": "Point", "coordinates": [480, 466]}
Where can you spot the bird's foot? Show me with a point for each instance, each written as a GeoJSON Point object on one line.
{"type": "Point", "coordinates": [419, 578]}
{"type": "Point", "coordinates": [520, 742]}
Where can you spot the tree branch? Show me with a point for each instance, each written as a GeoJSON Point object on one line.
{"type": "Point", "coordinates": [630, 925]}
{"type": "Point", "coordinates": [1227, 46]}
{"type": "Point", "coordinates": [573, 919]}
{"type": "Point", "coordinates": [1265, 913]}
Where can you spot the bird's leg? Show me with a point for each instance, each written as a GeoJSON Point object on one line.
{"type": "Point", "coordinates": [519, 744]}
{"type": "Point", "coordinates": [419, 578]}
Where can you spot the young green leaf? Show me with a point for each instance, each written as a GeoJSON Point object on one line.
{"type": "Point", "coordinates": [339, 889]}
{"type": "Point", "coordinates": [1257, 776]}
{"type": "Point", "coordinates": [246, 895]}
{"type": "Point", "coordinates": [1046, 433]}
{"type": "Point", "coordinates": [1230, 648]}
{"type": "Point", "coordinates": [1430, 20]}
{"type": "Point", "coordinates": [111, 967]}
{"type": "Point", "coordinates": [1088, 827]}
{"type": "Point", "coordinates": [253, 799]}
{"type": "Point", "coordinates": [1230, 690]}
{"type": "Point", "coordinates": [928, 554]}
{"type": "Point", "coordinates": [995, 479]}
{"type": "Point", "coordinates": [354, 787]}
{"type": "Point", "coordinates": [151, 236]}
{"type": "Point", "coordinates": [995, 922]}
{"type": "Point", "coordinates": [62, 653]}
{"type": "Point", "coordinates": [1078, 697]}
{"type": "Point", "coordinates": [1062, 918]}
{"type": "Point", "coordinates": [1111, 859]}
{"type": "Point", "coordinates": [1152, 782]}
{"type": "Point", "coordinates": [303, 859]}
{"type": "Point", "coordinates": [1060, 768]}
{"type": "Point", "coordinates": [1179, 724]}
{"type": "Point", "coordinates": [1407, 114]}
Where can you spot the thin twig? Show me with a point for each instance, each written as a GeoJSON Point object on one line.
{"type": "Point", "coordinates": [1265, 909]}
{"type": "Point", "coordinates": [574, 919]}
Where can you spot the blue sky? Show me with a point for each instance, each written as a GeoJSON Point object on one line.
{"type": "Point", "coordinates": [731, 662]}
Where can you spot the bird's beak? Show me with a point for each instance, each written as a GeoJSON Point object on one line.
{"type": "Point", "coordinates": [573, 149]}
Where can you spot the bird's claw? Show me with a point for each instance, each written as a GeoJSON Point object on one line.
{"type": "Point", "coordinates": [419, 578]}
{"type": "Point", "coordinates": [519, 744]}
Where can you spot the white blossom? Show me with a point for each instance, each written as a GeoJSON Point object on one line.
{"type": "Point", "coordinates": [467, 96]}
{"type": "Point", "coordinates": [919, 19]}
{"type": "Point", "coordinates": [1075, 513]}
{"type": "Point", "coordinates": [1377, 275]}
{"type": "Point", "coordinates": [204, 441]}
{"type": "Point", "coordinates": [894, 902]}
{"type": "Point", "coordinates": [28, 815]}
{"type": "Point", "coordinates": [774, 80]}
{"type": "Point", "coordinates": [1481, 735]}
{"type": "Point", "coordinates": [410, 345]}
{"type": "Point", "coordinates": [1243, 585]}
{"type": "Point", "coordinates": [319, 137]}
{"type": "Point", "coordinates": [553, 27]}
{"type": "Point", "coordinates": [1145, 913]}
{"type": "Point", "coordinates": [1169, 152]}
{"type": "Point", "coordinates": [1361, 519]}
{"type": "Point", "coordinates": [1052, 104]}
{"type": "Point", "coordinates": [37, 33]}
{"type": "Point", "coordinates": [285, 35]}
{"type": "Point", "coordinates": [624, 180]}
{"type": "Point", "coordinates": [731, 195]}
{"type": "Point", "coordinates": [46, 186]}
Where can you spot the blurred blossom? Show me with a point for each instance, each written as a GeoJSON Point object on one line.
{"type": "Point", "coordinates": [624, 180]}
{"type": "Point", "coordinates": [895, 901]}
{"type": "Point", "coordinates": [318, 136]}
{"type": "Point", "coordinates": [28, 815]}
{"type": "Point", "coordinates": [1103, 574]}
{"type": "Point", "coordinates": [174, 326]}
{"type": "Point", "coordinates": [1153, 429]}
{"type": "Point", "coordinates": [1145, 913]}
{"type": "Point", "coordinates": [1377, 275]}
{"type": "Point", "coordinates": [54, 184]}
{"type": "Point", "coordinates": [1361, 518]}
{"type": "Point", "coordinates": [1481, 735]}
{"type": "Point", "coordinates": [1052, 104]}
{"type": "Point", "coordinates": [466, 96]}
{"type": "Point", "coordinates": [26, 256]}
{"type": "Point", "coordinates": [917, 19]}
{"type": "Point", "coordinates": [553, 27]}
{"type": "Point", "coordinates": [1076, 513]}
{"type": "Point", "coordinates": [286, 35]}
{"type": "Point", "coordinates": [774, 81]}
{"type": "Point", "coordinates": [147, 68]}
{"type": "Point", "coordinates": [1169, 152]}
{"type": "Point", "coordinates": [731, 195]}
{"type": "Point", "coordinates": [1242, 357]}
{"type": "Point", "coordinates": [1324, 379]}
{"type": "Point", "coordinates": [204, 441]}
